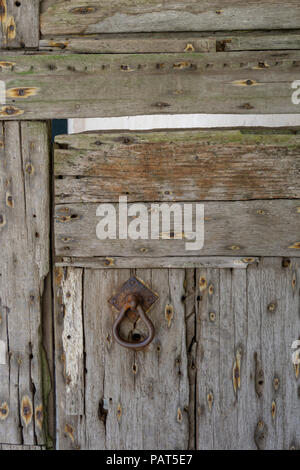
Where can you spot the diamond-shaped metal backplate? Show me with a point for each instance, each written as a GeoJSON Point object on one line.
{"type": "Point", "coordinates": [137, 287]}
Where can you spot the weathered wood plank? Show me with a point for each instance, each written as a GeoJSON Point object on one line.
{"type": "Point", "coordinates": [19, 26]}
{"type": "Point", "coordinates": [246, 383]}
{"type": "Point", "coordinates": [16, 447]}
{"type": "Point", "coordinates": [173, 42]}
{"type": "Point", "coordinates": [160, 262]}
{"type": "Point", "coordinates": [222, 351]}
{"type": "Point", "coordinates": [87, 17]}
{"type": "Point", "coordinates": [24, 232]}
{"type": "Point", "coordinates": [123, 390]}
{"type": "Point", "coordinates": [131, 43]}
{"type": "Point", "coordinates": [278, 40]}
{"type": "Point", "coordinates": [38, 86]}
{"type": "Point", "coordinates": [249, 228]}
{"type": "Point", "coordinates": [170, 166]}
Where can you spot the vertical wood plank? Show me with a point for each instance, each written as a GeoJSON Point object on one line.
{"type": "Point", "coordinates": [24, 234]}
{"type": "Point", "coordinates": [130, 400]}
{"type": "Point", "coordinates": [256, 385]}
{"type": "Point", "coordinates": [19, 24]}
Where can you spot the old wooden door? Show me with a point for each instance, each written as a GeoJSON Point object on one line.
{"type": "Point", "coordinates": [219, 373]}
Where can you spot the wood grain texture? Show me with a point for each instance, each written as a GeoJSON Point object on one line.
{"type": "Point", "coordinates": [172, 166]}
{"type": "Point", "coordinates": [122, 390]}
{"type": "Point", "coordinates": [136, 43]}
{"type": "Point", "coordinates": [161, 262]}
{"type": "Point", "coordinates": [19, 26]}
{"type": "Point", "coordinates": [130, 43]}
{"type": "Point", "coordinates": [218, 375]}
{"type": "Point", "coordinates": [247, 390]}
{"type": "Point", "coordinates": [14, 447]}
{"type": "Point", "coordinates": [38, 86]}
{"type": "Point", "coordinates": [24, 233]}
{"type": "Point", "coordinates": [246, 228]}
{"type": "Point", "coordinates": [87, 17]}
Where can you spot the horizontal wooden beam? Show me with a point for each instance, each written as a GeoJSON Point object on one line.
{"type": "Point", "coordinates": [138, 43]}
{"type": "Point", "coordinates": [217, 262]}
{"type": "Point", "coordinates": [246, 229]}
{"type": "Point", "coordinates": [167, 166]}
{"type": "Point", "coordinates": [60, 86]}
{"type": "Point", "coordinates": [122, 16]}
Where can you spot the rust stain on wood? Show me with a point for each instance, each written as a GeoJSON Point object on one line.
{"type": "Point", "coordinates": [22, 92]}
{"type": "Point", "coordinates": [69, 431]}
{"type": "Point", "coordinates": [6, 65]}
{"type": "Point", "coordinates": [272, 307]}
{"type": "Point", "coordinates": [259, 376]}
{"type": "Point", "coordinates": [276, 384]}
{"type": "Point", "coordinates": [83, 10]}
{"type": "Point", "coordinates": [3, 11]}
{"type": "Point", "coordinates": [189, 48]}
{"type": "Point", "coordinates": [245, 83]}
{"type": "Point", "coordinates": [236, 372]}
{"type": "Point", "coordinates": [10, 111]}
{"type": "Point", "coordinates": [260, 435]}
{"type": "Point", "coordinates": [2, 220]}
{"type": "Point", "coordinates": [169, 314]}
{"type": "Point", "coordinates": [26, 410]}
{"type": "Point", "coordinates": [273, 410]}
{"type": "Point", "coordinates": [179, 415]}
{"type": "Point", "coordinates": [212, 317]}
{"type": "Point", "coordinates": [297, 370]}
{"type": "Point", "coordinates": [202, 283]}
{"type": "Point", "coordinates": [119, 412]}
{"type": "Point", "coordinates": [39, 416]}
{"type": "Point", "coordinates": [210, 400]}
{"type": "Point", "coordinates": [4, 411]}
{"type": "Point", "coordinates": [295, 246]}
{"type": "Point", "coordinates": [9, 200]}
{"type": "Point", "coordinates": [294, 281]}
{"type": "Point", "coordinates": [11, 28]}
{"type": "Point", "coordinates": [181, 65]}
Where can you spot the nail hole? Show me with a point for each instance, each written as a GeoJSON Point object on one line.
{"type": "Point", "coordinates": [136, 337]}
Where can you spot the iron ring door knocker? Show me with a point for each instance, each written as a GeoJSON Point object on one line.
{"type": "Point", "coordinates": [134, 298]}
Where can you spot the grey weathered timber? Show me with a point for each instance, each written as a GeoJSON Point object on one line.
{"type": "Point", "coordinates": [24, 235]}
{"type": "Point", "coordinates": [247, 385]}
{"type": "Point", "coordinates": [257, 41]}
{"type": "Point", "coordinates": [88, 16]}
{"type": "Point", "coordinates": [120, 391]}
{"type": "Point", "coordinates": [14, 447]}
{"type": "Point", "coordinates": [218, 375]}
{"type": "Point", "coordinates": [130, 43]}
{"type": "Point", "coordinates": [161, 262]}
{"type": "Point", "coordinates": [246, 228]}
{"type": "Point", "coordinates": [38, 86]}
{"type": "Point", "coordinates": [19, 26]}
{"type": "Point", "coordinates": [172, 166]}
{"type": "Point", "coordinates": [173, 42]}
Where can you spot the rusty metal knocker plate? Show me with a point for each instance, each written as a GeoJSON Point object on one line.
{"type": "Point", "coordinates": [134, 299]}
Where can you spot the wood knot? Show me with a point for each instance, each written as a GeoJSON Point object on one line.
{"type": "Point", "coordinates": [26, 410]}
{"type": "Point", "coordinates": [83, 10]}
{"type": "Point", "coordinates": [39, 416]}
{"type": "Point", "coordinates": [169, 314]}
{"type": "Point", "coordinates": [260, 435]}
{"type": "Point", "coordinates": [4, 411]}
